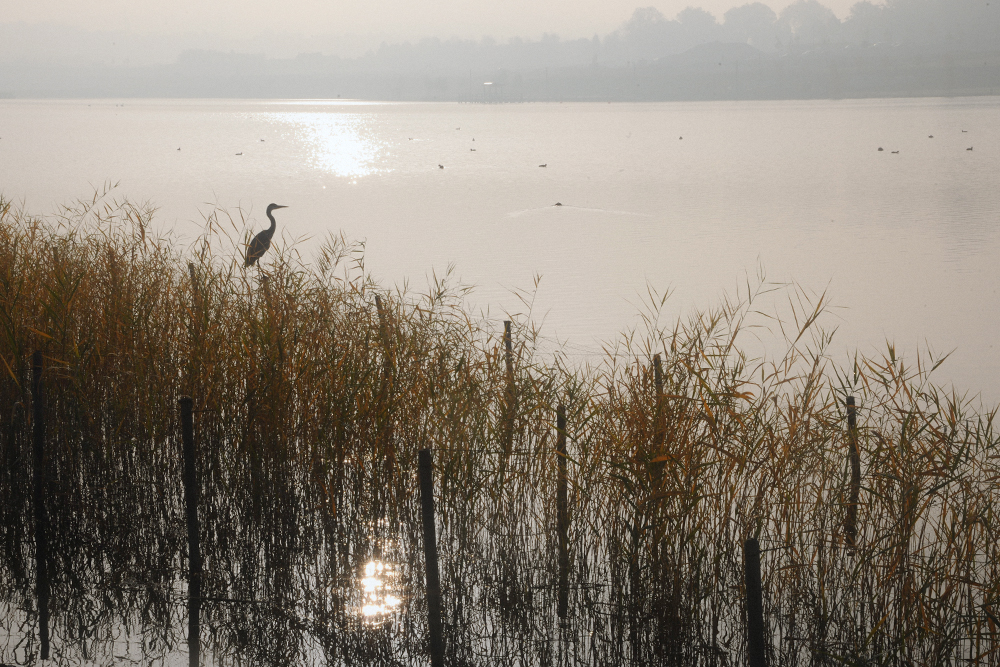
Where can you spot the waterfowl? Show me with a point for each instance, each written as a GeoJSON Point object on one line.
{"type": "Point", "coordinates": [261, 242]}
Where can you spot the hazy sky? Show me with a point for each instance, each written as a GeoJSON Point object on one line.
{"type": "Point", "coordinates": [403, 18]}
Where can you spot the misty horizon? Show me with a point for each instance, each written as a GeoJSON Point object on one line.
{"type": "Point", "coordinates": [967, 24]}
{"type": "Point", "coordinates": [357, 27]}
{"type": "Point", "coordinates": [903, 48]}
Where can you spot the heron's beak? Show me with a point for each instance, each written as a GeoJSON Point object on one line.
{"type": "Point", "coordinates": [280, 207]}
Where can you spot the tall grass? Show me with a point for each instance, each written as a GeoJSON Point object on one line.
{"type": "Point", "coordinates": [312, 398]}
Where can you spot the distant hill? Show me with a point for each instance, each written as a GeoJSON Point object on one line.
{"type": "Point", "coordinates": [715, 53]}
{"type": "Point", "coordinates": [902, 48]}
{"type": "Point", "coordinates": [713, 71]}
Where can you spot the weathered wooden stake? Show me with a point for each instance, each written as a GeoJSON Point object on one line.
{"type": "Point", "coordinates": [659, 426]}
{"type": "Point", "coordinates": [40, 477]}
{"type": "Point", "coordinates": [431, 559]}
{"type": "Point", "coordinates": [658, 374]}
{"type": "Point", "coordinates": [194, 278]}
{"type": "Point", "coordinates": [756, 653]}
{"type": "Point", "coordinates": [383, 333]}
{"type": "Point", "coordinates": [854, 455]}
{"type": "Point", "coordinates": [562, 511]}
{"type": "Point", "coordinates": [386, 447]}
{"type": "Point", "coordinates": [508, 436]}
{"type": "Point", "coordinates": [191, 497]}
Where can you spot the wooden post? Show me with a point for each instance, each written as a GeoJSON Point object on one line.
{"type": "Point", "coordinates": [383, 333]}
{"type": "Point", "coordinates": [508, 346]}
{"type": "Point", "coordinates": [854, 455]}
{"type": "Point", "coordinates": [386, 447]}
{"type": "Point", "coordinates": [194, 278]}
{"type": "Point", "coordinates": [562, 512]}
{"type": "Point", "coordinates": [431, 559]}
{"type": "Point", "coordinates": [191, 496]}
{"type": "Point", "coordinates": [756, 653]}
{"type": "Point", "coordinates": [659, 425]}
{"type": "Point", "coordinates": [40, 477]}
{"type": "Point", "coordinates": [509, 400]}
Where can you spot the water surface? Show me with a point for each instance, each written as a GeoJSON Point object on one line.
{"type": "Point", "coordinates": [691, 197]}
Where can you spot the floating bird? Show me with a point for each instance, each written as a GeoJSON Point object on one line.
{"type": "Point", "coordinates": [964, 130]}
{"type": "Point", "coordinates": [880, 149]}
{"type": "Point", "coordinates": [178, 149]}
{"type": "Point", "coordinates": [473, 150]}
{"type": "Point", "coordinates": [969, 148]}
{"type": "Point", "coordinates": [261, 242]}
{"type": "Point", "coordinates": [544, 165]}
{"type": "Point", "coordinates": [239, 153]}
{"type": "Point", "coordinates": [930, 136]}
{"type": "Point", "coordinates": [262, 140]}
{"type": "Point", "coordinates": [558, 203]}
{"type": "Point", "coordinates": [680, 138]}
{"type": "Point", "coordinates": [440, 166]}
{"type": "Point", "coordinates": [895, 152]}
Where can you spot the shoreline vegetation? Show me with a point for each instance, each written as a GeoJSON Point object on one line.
{"type": "Point", "coordinates": [313, 388]}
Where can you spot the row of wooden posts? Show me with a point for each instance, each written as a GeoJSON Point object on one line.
{"type": "Point", "coordinates": [756, 641]}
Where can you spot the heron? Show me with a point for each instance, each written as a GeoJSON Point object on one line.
{"type": "Point", "coordinates": [261, 242]}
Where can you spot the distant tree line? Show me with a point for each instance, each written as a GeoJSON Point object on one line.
{"type": "Point", "coordinates": [935, 24]}
{"type": "Point", "coordinates": [972, 25]}
{"type": "Point", "coordinates": [899, 48]}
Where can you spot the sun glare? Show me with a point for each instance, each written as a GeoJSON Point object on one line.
{"type": "Point", "coordinates": [378, 588]}
{"type": "Point", "coordinates": [342, 144]}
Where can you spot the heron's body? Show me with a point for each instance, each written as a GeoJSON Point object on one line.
{"type": "Point", "coordinates": [260, 243]}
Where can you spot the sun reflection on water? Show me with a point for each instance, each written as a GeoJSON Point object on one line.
{"type": "Point", "coordinates": [343, 144]}
{"type": "Point", "coordinates": [378, 587]}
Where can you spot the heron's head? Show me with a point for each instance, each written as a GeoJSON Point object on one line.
{"type": "Point", "coordinates": [274, 207]}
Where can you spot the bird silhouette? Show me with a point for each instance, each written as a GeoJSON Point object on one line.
{"type": "Point", "coordinates": [261, 242]}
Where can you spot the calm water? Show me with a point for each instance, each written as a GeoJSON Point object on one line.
{"type": "Point", "coordinates": [906, 244]}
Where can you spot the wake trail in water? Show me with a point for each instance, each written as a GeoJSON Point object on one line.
{"type": "Point", "coordinates": [554, 207]}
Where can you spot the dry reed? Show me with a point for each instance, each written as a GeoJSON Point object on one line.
{"type": "Point", "coordinates": [312, 401]}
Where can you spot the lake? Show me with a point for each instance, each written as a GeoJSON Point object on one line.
{"type": "Point", "coordinates": [697, 198]}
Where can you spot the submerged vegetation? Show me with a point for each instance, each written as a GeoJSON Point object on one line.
{"type": "Point", "coordinates": [313, 390]}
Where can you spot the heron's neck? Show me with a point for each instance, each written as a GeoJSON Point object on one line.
{"type": "Point", "coordinates": [273, 223]}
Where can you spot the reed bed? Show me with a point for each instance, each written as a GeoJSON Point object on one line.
{"type": "Point", "coordinates": [314, 388]}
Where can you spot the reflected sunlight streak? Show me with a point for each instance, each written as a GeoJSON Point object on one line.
{"type": "Point", "coordinates": [338, 143]}
{"type": "Point", "coordinates": [380, 598]}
